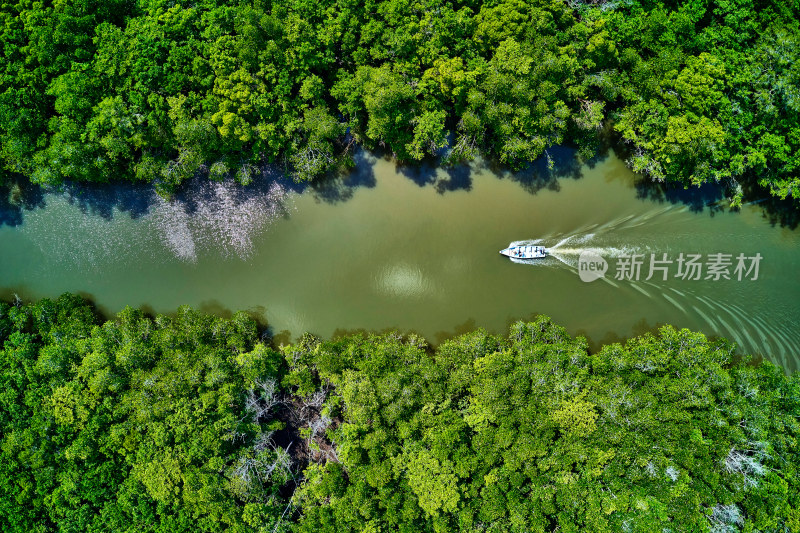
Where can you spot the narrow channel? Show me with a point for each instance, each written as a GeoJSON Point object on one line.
{"type": "Point", "coordinates": [417, 249]}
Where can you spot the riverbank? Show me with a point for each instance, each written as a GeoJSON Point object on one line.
{"type": "Point", "coordinates": [191, 423]}
{"type": "Point", "coordinates": [161, 94]}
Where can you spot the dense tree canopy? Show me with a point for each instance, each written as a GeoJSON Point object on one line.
{"type": "Point", "coordinates": [531, 433]}
{"type": "Point", "coordinates": [135, 424]}
{"type": "Point", "coordinates": [160, 90]}
{"type": "Point", "coordinates": [191, 423]}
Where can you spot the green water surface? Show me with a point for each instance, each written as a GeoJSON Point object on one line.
{"type": "Point", "coordinates": [415, 250]}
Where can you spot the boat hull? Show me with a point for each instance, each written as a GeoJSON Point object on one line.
{"type": "Point", "coordinates": [525, 252]}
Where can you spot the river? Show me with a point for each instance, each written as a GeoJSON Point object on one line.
{"type": "Point", "coordinates": [417, 249]}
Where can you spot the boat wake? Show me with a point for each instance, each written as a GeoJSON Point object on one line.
{"type": "Point", "coordinates": [691, 301]}
{"type": "Point", "coordinates": [565, 251]}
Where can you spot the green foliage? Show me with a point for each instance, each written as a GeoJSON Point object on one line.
{"type": "Point", "coordinates": [696, 104]}
{"type": "Point", "coordinates": [531, 433]}
{"type": "Point", "coordinates": [163, 91]}
{"type": "Point", "coordinates": [314, 151]}
{"type": "Point", "coordinates": [169, 424]}
{"type": "Point", "coordinates": [137, 424]}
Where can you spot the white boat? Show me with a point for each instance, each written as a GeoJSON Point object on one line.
{"type": "Point", "coordinates": [526, 251]}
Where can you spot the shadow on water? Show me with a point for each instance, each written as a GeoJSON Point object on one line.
{"type": "Point", "coordinates": [431, 172]}
{"type": "Point", "coordinates": [19, 293]}
{"type": "Point", "coordinates": [423, 174]}
{"type": "Point", "coordinates": [595, 344]}
{"type": "Point", "coordinates": [459, 178]}
{"type": "Point", "coordinates": [698, 198]}
{"type": "Point", "coordinates": [341, 187]}
{"type": "Point", "coordinates": [640, 328]}
{"type": "Point", "coordinates": [462, 329]}
{"type": "Point", "coordinates": [712, 197]}
{"type": "Point", "coordinates": [103, 200]}
{"type": "Point", "coordinates": [17, 197]}
{"type": "Point", "coordinates": [136, 200]}
{"type": "Point", "coordinates": [783, 213]}
{"type": "Point", "coordinates": [339, 333]}
{"type": "Point", "coordinates": [559, 162]}
{"type": "Point", "coordinates": [216, 308]}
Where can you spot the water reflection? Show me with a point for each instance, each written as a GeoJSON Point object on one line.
{"type": "Point", "coordinates": [341, 187]}
{"type": "Point", "coordinates": [16, 197]}
{"type": "Point", "coordinates": [205, 197]}
{"type": "Point", "coordinates": [784, 213]}
{"type": "Point", "coordinates": [107, 201]}
{"type": "Point", "coordinates": [704, 197]}
{"type": "Point", "coordinates": [443, 179]}
{"type": "Point", "coordinates": [558, 163]}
